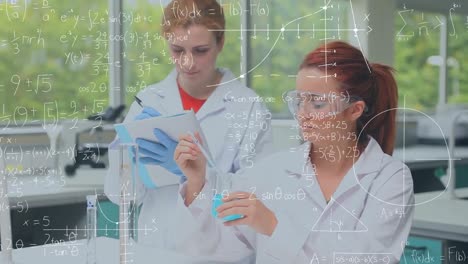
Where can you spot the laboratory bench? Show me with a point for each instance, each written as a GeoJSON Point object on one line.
{"type": "Point", "coordinates": [438, 216]}
{"type": "Point", "coordinates": [53, 196]}
{"type": "Point", "coordinates": [423, 156]}
{"type": "Point", "coordinates": [439, 233]}
{"type": "Point", "coordinates": [107, 252]}
{"type": "Point", "coordinates": [428, 163]}
{"type": "Point", "coordinates": [52, 190]}
{"type": "Point", "coordinates": [440, 225]}
{"type": "Point", "coordinates": [43, 208]}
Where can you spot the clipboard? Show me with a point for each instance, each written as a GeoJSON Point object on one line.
{"type": "Point", "coordinates": [154, 176]}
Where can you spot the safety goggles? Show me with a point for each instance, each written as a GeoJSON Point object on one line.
{"type": "Point", "coordinates": [324, 105]}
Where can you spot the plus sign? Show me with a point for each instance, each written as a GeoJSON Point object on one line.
{"type": "Point", "coordinates": [33, 110]}
{"type": "Point", "coordinates": [29, 82]}
{"type": "Point", "coordinates": [85, 109]}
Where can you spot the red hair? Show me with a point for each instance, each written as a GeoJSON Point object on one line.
{"type": "Point", "coordinates": [373, 83]}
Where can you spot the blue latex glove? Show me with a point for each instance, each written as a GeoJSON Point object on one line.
{"type": "Point", "coordinates": [160, 153]}
{"type": "Point", "coordinates": [147, 112]}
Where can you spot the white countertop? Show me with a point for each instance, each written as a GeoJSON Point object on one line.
{"type": "Point", "coordinates": [422, 156]}
{"type": "Point", "coordinates": [107, 252]}
{"type": "Point", "coordinates": [54, 190]}
{"type": "Point", "coordinates": [441, 217]}
{"type": "Point", "coordinates": [434, 217]}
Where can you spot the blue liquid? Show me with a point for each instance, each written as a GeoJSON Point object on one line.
{"type": "Point", "coordinates": [217, 201]}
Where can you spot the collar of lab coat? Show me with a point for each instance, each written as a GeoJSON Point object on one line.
{"type": "Point", "coordinates": [169, 92]}
{"type": "Point", "coordinates": [218, 99]}
{"type": "Point", "coordinates": [369, 161]}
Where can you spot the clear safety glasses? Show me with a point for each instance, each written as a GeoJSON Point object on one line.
{"type": "Point", "coordinates": [307, 103]}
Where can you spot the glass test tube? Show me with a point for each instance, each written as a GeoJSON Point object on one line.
{"type": "Point", "coordinates": [91, 229]}
{"type": "Point", "coordinates": [128, 169]}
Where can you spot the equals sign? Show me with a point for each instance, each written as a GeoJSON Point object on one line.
{"type": "Point", "coordinates": [211, 11]}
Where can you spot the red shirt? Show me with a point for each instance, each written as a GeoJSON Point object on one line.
{"type": "Point", "coordinates": [190, 102]}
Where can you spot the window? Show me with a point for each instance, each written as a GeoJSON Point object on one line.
{"type": "Point", "coordinates": [417, 37]}
{"type": "Point", "coordinates": [53, 60]}
{"type": "Point", "coordinates": [417, 57]}
{"type": "Point", "coordinates": [275, 55]}
{"type": "Point", "coordinates": [457, 84]}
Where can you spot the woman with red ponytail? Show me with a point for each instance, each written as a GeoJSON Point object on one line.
{"type": "Point", "coordinates": [373, 83]}
{"type": "Point", "coordinates": [340, 197]}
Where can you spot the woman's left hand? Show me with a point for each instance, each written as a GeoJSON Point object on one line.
{"type": "Point", "coordinates": [256, 214]}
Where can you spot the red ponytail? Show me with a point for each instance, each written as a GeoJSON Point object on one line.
{"type": "Point", "coordinates": [374, 83]}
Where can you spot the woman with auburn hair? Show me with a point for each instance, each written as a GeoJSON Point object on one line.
{"type": "Point", "coordinates": [339, 196]}
{"type": "Point", "coordinates": [194, 31]}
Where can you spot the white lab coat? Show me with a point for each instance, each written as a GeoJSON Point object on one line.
{"type": "Point", "coordinates": [369, 215]}
{"type": "Point", "coordinates": [230, 120]}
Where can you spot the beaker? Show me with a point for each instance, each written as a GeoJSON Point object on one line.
{"type": "Point", "coordinates": [222, 183]}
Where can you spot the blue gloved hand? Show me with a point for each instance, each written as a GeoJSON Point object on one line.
{"type": "Point", "coordinates": [147, 112]}
{"type": "Point", "coordinates": [160, 153]}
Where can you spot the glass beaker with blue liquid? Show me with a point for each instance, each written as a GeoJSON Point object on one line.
{"type": "Point", "coordinates": [222, 188]}
{"type": "Point", "coordinates": [222, 183]}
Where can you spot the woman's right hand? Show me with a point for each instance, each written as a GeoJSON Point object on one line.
{"type": "Point", "coordinates": [193, 165]}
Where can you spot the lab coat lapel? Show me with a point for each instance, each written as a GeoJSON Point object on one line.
{"type": "Point", "coordinates": [217, 100]}
{"type": "Point", "coordinates": [298, 174]}
{"type": "Point", "coordinates": [168, 92]}
{"type": "Point", "coordinates": [299, 169]}
{"type": "Point", "coordinates": [368, 162]}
